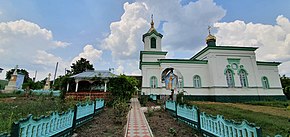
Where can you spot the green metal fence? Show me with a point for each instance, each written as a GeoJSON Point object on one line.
{"type": "Point", "coordinates": [212, 126]}
{"type": "Point", "coordinates": [56, 124]}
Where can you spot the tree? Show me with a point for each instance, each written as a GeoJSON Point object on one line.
{"type": "Point", "coordinates": [81, 65]}
{"type": "Point", "coordinates": [19, 71]}
{"type": "Point", "coordinates": [122, 87]}
{"type": "Point", "coordinates": [285, 82]}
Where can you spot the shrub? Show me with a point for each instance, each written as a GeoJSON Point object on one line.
{"type": "Point", "coordinates": [143, 100]}
{"type": "Point", "coordinates": [150, 112]}
{"type": "Point", "coordinates": [120, 111]}
{"type": "Point", "coordinates": [287, 92]}
{"type": "Point", "coordinates": [172, 131]}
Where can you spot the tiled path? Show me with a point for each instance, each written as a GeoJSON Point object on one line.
{"type": "Point", "coordinates": [137, 125]}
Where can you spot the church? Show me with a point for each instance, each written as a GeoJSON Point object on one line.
{"type": "Point", "coordinates": [216, 73]}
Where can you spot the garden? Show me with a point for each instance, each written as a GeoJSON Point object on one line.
{"type": "Point", "coordinates": [272, 116]}
{"type": "Point", "coordinates": [13, 107]}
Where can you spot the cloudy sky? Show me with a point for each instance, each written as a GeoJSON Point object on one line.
{"type": "Point", "coordinates": [36, 34]}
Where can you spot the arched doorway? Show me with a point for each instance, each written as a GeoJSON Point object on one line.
{"type": "Point", "coordinates": [173, 80]}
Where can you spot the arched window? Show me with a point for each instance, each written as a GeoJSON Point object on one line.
{"type": "Point", "coordinates": [265, 82]}
{"type": "Point", "coordinates": [196, 81]}
{"type": "Point", "coordinates": [243, 78]}
{"type": "Point", "coordinates": [153, 43]}
{"type": "Point", "coordinates": [153, 82]}
{"type": "Point", "coordinates": [180, 82]}
{"type": "Point", "coordinates": [230, 78]}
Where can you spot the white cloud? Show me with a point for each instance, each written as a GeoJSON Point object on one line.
{"type": "Point", "coordinates": [89, 53]}
{"type": "Point", "coordinates": [25, 43]}
{"type": "Point", "coordinates": [185, 27]}
{"type": "Point", "coordinates": [125, 36]}
{"type": "Point", "coordinates": [120, 70]}
{"type": "Point", "coordinates": [273, 40]}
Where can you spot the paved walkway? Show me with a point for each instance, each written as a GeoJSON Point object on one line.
{"type": "Point", "coordinates": [137, 125]}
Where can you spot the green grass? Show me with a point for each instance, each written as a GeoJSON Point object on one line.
{"type": "Point", "coordinates": [280, 104]}
{"type": "Point", "coordinates": [270, 124]}
{"type": "Point", "coordinates": [8, 95]}
{"type": "Point", "coordinates": [3, 83]}
{"type": "Point", "coordinates": [13, 110]}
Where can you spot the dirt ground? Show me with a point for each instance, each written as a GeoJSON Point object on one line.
{"type": "Point", "coordinates": [282, 112]}
{"type": "Point", "coordinates": [164, 125]}
{"type": "Point", "coordinates": [102, 125]}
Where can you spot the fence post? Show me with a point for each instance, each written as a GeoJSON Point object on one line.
{"type": "Point", "coordinates": [95, 105]}
{"type": "Point", "coordinates": [259, 131]}
{"type": "Point", "coordinates": [74, 119]}
{"type": "Point", "coordinates": [15, 130]}
{"type": "Point", "coordinates": [198, 120]}
{"type": "Point", "coordinates": [176, 109]}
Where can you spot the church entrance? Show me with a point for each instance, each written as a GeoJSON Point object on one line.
{"type": "Point", "coordinates": [173, 80]}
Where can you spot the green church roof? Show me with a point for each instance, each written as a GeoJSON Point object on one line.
{"type": "Point", "coordinates": [223, 48]}
{"type": "Point", "coordinates": [153, 31]}
{"type": "Point", "coordinates": [268, 63]}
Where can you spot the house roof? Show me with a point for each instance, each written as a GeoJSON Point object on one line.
{"type": "Point", "coordinates": [223, 48]}
{"type": "Point", "coordinates": [95, 73]}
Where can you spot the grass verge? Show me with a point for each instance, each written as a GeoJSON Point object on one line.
{"type": "Point", "coordinates": [270, 124]}
{"type": "Point", "coordinates": [280, 104]}
{"type": "Point", "coordinates": [13, 109]}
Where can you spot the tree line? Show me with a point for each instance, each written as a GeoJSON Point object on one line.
{"type": "Point", "coordinates": [83, 64]}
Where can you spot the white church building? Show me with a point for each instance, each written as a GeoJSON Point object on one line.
{"type": "Point", "coordinates": [216, 73]}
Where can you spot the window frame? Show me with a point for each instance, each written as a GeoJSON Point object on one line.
{"type": "Point", "coordinates": [153, 82]}
{"type": "Point", "coordinates": [232, 78]}
{"type": "Point", "coordinates": [265, 82]}
{"type": "Point", "coordinates": [151, 42]}
{"type": "Point", "coordinates": [244, 81]}
{"type": "Point", "coordinates": [196, 81]}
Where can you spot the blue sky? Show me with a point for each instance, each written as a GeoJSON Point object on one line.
{"type": "Point", "coordinates": [37, 34]}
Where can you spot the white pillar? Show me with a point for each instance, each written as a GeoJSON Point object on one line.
{"type": "Point", "coordinates": [106, 81]}
{"type": "Point", "coordinates": [67, 87]}
{"type": "Point", "coordinates": [105, 87]}
{"type": "Point", "coordinates": [77, 86]}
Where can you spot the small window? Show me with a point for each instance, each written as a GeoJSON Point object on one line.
{"type": "Point", "coordinates": [230, 78]}
{"type": "Point", "coordinates": [196, 81]}
{"type": "Point", "coordinates": [153, 43]}
{"type": "Point", "coordinates": [180, 82]}
{"type": "Point", "coordinates": [265, 83]}
{"type": "Point", "coordinates": [243, 78]}
{"type": "Point", "coordinates": [153, 82]}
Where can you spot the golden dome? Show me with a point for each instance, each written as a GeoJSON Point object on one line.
{"type": "Point", "coordinates": [210, 37]}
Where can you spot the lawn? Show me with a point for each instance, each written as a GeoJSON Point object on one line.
{"type": "Point", "coordinates": [14, 108]}
{"type": "Point", "coordinates": [3, 83]}
{"type": "Point", "coordinates": [281, 104]}
{"type": "Point", "coordinates": [270, 122]}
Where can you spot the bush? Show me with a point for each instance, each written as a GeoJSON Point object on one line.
{"type": "Point", "coordinates": [120, 111]}
{"type": "Point", "coordinates": [143, 100]}
{"type": "Point", "coordinates": [150, 112]}
{"type": "Point", "coordinates": [287, 92]}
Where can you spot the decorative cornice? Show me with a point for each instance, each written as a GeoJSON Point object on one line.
{"type": "Point", "coordinates": [268, 63]}
{"type": "Point", "coordinates": [147, 63]}
{"type": "Point", "coordinates": [152, 53]}
{"type": "Point", "coordinates": [187, 61]}
{"type": "Point", "coordinates": [223, 48]}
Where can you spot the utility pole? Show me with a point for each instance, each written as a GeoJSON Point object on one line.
{"type": "Point", "coordinates": [55, 73]}
{"type": "Point", "coordinates": [35, 76]}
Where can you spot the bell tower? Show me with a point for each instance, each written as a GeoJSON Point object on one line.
{"type": "Point", "coordinates": [152, 48]}
{"type": "Point", "coordinates": [152, 39]}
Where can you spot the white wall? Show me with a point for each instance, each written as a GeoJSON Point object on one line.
{"type": "Point", "coordinates": [152, 58]}
{"type": "Point", "coordinates": [271, 72]}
